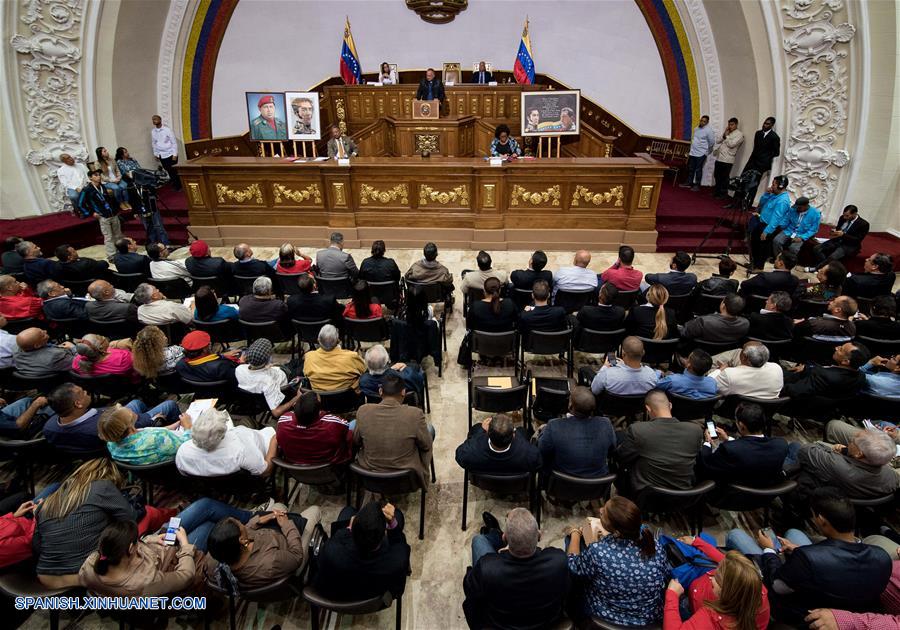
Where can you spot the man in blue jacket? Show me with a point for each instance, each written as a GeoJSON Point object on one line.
{"type": "Point", "coordinates": [802, 224]}
{"type": "Point", "coordinates": [769, 217]}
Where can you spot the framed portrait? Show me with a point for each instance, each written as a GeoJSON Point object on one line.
{"type": "Point", "coordinates": [452, 73]}
{"type": "Point", "coordinates": [551, 113]}
{"type": "Point", "coordinates": [266, 115]}
{"type": "Point", "coordinates": [303, 115]}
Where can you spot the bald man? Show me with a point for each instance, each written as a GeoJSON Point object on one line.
{"type": "Point", "coordinates": [107, 306]}
{"type": "Point", "coordinates": [577, 277]}
{"type": "Point", "coordinates": [625, 376]}
{"type": "Point", "coordinates": [247, 266]}
{"type": "Point", "coordinates": [36, 358]}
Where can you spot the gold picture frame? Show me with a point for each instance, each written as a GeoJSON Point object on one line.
{"type": "Point", "coordinates": [452, 72]}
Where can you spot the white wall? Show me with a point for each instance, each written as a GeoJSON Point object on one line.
{"type": "Point", "coordinates": [603, 47]}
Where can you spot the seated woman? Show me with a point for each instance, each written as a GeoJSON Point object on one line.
{"type": "Point", "coordinates": [288, 262]}
{"type": "Point", "coordinates": [151, 355]}
{"type": "Point", "coordinates": [268, 548]}
{"type": "Point", "coordinates": [208, 309]}
{"type": "Point", "coordinates": [504, 144]}
{"type": "Point", "coordinates": [492, 314]}
{"type": "Point", "coordinates": [69, 522]}
{"type": "Point", "coordinates": [730, 596]}
{"type": "Point", "coordinates": [378, 362]}
{"type": "Point", "coordinates": [111, 177]}
{"type": "Point", "coordinates": [125, 565]}
{"type": "Point", "coordinates": [150, 445]}
{"type": "Point", "coordinates": [126, 163]}
{"type": "Point", "coordinates": [95, 356]}
{"type": "Point", "coordinates": [622, 568]}
{"type": "Point", "coordinates": [361, 306]}
{"type": "Point", "coordinates": [309, 436]}
{"type": "Point", "coordinates": [218, 448]}
{"type": "Point", "coordinates": [17, 525]}
{"type": "Point", "coordinates": [830, 282]}
{"type": "Point", "coordinates": [653, 320]}
{"type": "Point", "coordinates": [378, 268]}
{"type": "Point", "coordinates": [386, 76]}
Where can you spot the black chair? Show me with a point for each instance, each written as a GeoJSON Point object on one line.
{"type": "Point", "coordinates": [810, 308]}
{"type": "Point", "coordinates": [244, 284]}
{"type": "Point", "coordinates": [497, 400]}
{"type": "Point", "coordinates": [618, 405]}
{"type": "Point", "coordinates": [659, 351]}
{"type": "Point", "coordinates": [627, 299]}
{"type": "Point", "coordinates": [549, 398]}
{"type": "Point", "coordinates": [870, 512]}
{"type": "Point", "coordinates": [79, 287]}
{"type": "Point", "coordinates": [251, 405]}
{"type": "Point", "coordinates": [222, 286]}
{"type": "Point", "coordinates": [681, 304]}
{"type": "Point", "coordinates": [24, 454]}
{"type": "Point", "coordinates": [570, 488]}
{"type": "Point", "coordinates": [435, 293]}
{"type": "Point", "coordinates": [548, 343]}
{"type": "Point", "coordinates": [271, 330]}
{"type": "Point", "coordinates": [21, 582]}
{"type": "Point", "coordinates": [752, 303]}
{"type": "Point", "coordinates": [288, 587]}
{"type": "Point", "coordinates": [114, 328]}
{"type": "Point", "coordinates": [287, 283]}
{"type": "Point", "coordinates": [658, 500]}
{"type": "Point", "coordinates": [686, 408]}
{"type": "Point", "coordinates": [737, 497]}
{"type": "Point", "coordinates": [173, 288]}
{"type": "Point", "coordinates": [359, 331]}
{"type": "Point", "coordinates": [339, 288]}
{"type": "Point", "coordinates": [573, 301]}
{"type": "Point", "coordinates": [707, 303]}
{"type": "Point", "coordinates": [810, 349]}
{"type": "Point", "coordinates": [770, 407]}
{"type": "Point", "coordinates": [521, 297]}
{"type": "Point", "coordinates": [494, 345]}
{"type": "Point", "coordinates": [598, 341]}
{"type": "Point", "coordinates": [313, 475]}
{"type": "Point", "coordinates": [317, 603]}
{"type": "Point", "coordinates": [880, 347]}
{"type": "Point", "coordinates": [868, 405]}
{"type": "Point", "coordinates": [225, 486]}
{"type": "Point", "coordinates": [778, 348]}
{"type": "Point", "coordinates": [342, 401]}
{"type": "Point", "coordinates": [469, 296]}
{"type": "Point", "coordinates": [223, 332]}
{"type": "Point", "coordinates": [128, 282]}
{"type": "Point", "coordinates": [307, 331]}
{"type": "Point", "coordinates": [112, 386]}
{"type": "Point", "coordinates": [15, 326]}
{"type": "Point", "coordinates": [387, 293]}
{"type": "Point", "coordinates": [864, 304]}
{"type": "Point", "coordinates": [162, 473]}
{"type": "Point", "coordinates": [390, 484]}
{"type": "Point", "coordinates": [715, 347]}
{"type": "Point", "coordinates": [223, 390]}
{"type": "Point", "coordinates": [42, 384]}
{"type": "Point", "coordinates": [68, 329]}
{"type": "Point", "coordinates": [518, 483]}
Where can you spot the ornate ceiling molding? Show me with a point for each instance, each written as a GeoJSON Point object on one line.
{"type": "Point", "coordinates": [437, 11]}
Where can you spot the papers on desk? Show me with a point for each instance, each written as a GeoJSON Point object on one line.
{"type": "Point", "coordinates": [496, 161]}
{"type": "Point", "coordinates": [343, 161]}
{"type": "Point", "coordinates": [494, 83]}
{"type": "Point", "coordinates": [199, 406]}
{"type": "Point", "coordinates": [315, 159]}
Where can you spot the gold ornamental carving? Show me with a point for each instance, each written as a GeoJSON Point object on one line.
{"type": "Point", "coordinates": [459, 195]}
{"type": "Point", "coordinates": [368, 193]}
{"type": "Point", "coordinates": [251, 192]}
{"type": "Point", "coordinates": [427, 142]}
{"type": "Point", "coordinates": [196, 195]}
{"type": "Point", "coordinates": [551, 196]}
{"type": "Point", "coordinates": [487, 192]}
{"type": "Point", "coordinates": [645, 196]}
{"type": "Point", "coordinates": [341, 114]}
{"type": "Point", "coordinates": [583, 193]}
{"type": "Point", "coordinates": [297, 196]}
{"type": "Point", "coordinates": [337, 190]}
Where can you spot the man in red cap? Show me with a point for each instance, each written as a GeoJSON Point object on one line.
{"type": "Point", "coordinates": [201, 265]}
{"type": "Point", "coordinates": [201, 364]}
{"type": "Point", "coordinates": [267, 126]}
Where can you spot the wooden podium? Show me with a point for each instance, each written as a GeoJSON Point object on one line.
{"type": "Point", "coordinates": [426, 110]}
{"type": "Point", "coordinates": [452, 136]}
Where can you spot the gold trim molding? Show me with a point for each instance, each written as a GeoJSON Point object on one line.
{"type": "Point", "coordinates": [550, 195]}
{"type": "Point", "coordinates": [427, 142]}
{"type": "Point", "coordinates": [368, 193]}
{"type": "Point", "coordinates": [252, 191]}
{"type": "Point", "coordinates": [297, 196]}
{"type": "Point", "coordinates": [583, 193]}
{"type": "Point", "coordinates": [646, 196]}
{"type": "Point", "coordinates": [196, 195]}
{"type": "Point", "coordinates": [341, 114]}
{"type": "Point", "coordinates": [337, 189]}
{"type": "Point", "coordinates": [459, 195]}
{"type": "Point", "coordinates": [487, 191]}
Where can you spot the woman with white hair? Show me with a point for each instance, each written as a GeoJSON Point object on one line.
{"type": "Point", "coordinates": [218, 448]}
{"type": "Point", "coordinates": [378, 363]}
{"type": "Point", "coordinates": [329, 367]}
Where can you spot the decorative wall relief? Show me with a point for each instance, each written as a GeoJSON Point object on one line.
{"type": "Point", "coordinates": [612, 196]}
{"type": "Point", "coordinates": [282, 193]}
{"type": "Point", "coordinates": [251, 192]}
{"type": "Point", "coordinates": [551, 196]}
{"type": "Point", "coordinates": [368, 193]}
{"type": "Point", "coordinates": [457, 195]}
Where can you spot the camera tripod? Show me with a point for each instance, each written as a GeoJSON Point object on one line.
{"type": "Point", "coordinates": [150, 205]}
{"type": "Point", "coordinates": [733, 221]}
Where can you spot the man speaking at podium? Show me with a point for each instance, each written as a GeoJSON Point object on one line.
{"type": "Point", "coordinates": [430, 88]}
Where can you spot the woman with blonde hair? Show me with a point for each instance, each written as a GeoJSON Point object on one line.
{"type": "Point", "coordinates": [287, 260]}
{"type": "Point", "coordinates": [69, 522]}
{"type": "Point", "coordinates": [150, 354]}
{"type": "Point", "coordinates": [730, 597]}
{"type": "Point", "coordinates": [653, 319]}
{"type": "Point", "coordinates": [150, 445]}
{"type": "Point", "coordinates": [96, 356]}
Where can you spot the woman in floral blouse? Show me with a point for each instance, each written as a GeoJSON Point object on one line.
{"type": "Point", "coordinates": [623, 570]}
{"type": "Point", "coordinates": [151, 445]}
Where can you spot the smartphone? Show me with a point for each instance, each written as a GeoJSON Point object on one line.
{"type": "Point", "coordinates": [777, 543]}
{"type": "Point", "coordinates": [611, 357]}
{"type": "Point", "coordinates": [711, 429]}
{"type": "Point", "coordinates": [172, 530]}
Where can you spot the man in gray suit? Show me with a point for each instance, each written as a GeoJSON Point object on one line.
{"type": "Point", "coordinates": [341, 146]}
{"type": "Point", "coordinates": [660, 452]}
{"type": "Point", "coordinates": [334, 262]}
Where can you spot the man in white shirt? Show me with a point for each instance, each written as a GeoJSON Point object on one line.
{"type": "Point", "coordinates": [72, 176]}
{"type": "Point", "coordinates": [702, 143]}
{"type": "Point", "coordinates": [577, 277]}
{"type": "Point", "coordinates": [725, 151]}
{"type": "Point", "coordinates": [259, 376]}
{"type": "Point", "coordinates": [748, 372]}
{"type": "Point", "coordinates": [161, 268]}
{"type": "Point", "coordinates": [156, 309]}
{"type": "Point", "coordinates": [218, 449]}
{"type": "Point", "coordinates": [165, 149]}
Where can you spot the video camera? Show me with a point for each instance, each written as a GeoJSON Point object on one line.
{"type": "Point", "coordinates": [744, 187]}
{"type": "Point", "coordinates": [150, 178]}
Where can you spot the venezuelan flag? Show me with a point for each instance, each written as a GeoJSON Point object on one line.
{"type": "Point", "coordinates": [350, 71]}
{"type": "Point", "coordinates": [524, 66]}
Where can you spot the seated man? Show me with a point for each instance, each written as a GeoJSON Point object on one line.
{"type": "Point", "coordinates": [59, 303]}
{"type": "Point", "coordinates": [218, 448]}
{"type": "Point", "coordinates": [753, 459]}
{"type": "Point", "coordinates": [257, 375]}
{"type": "Point", "coordinates": [201, 364]}
{"type": "Point", "coordinates": [429, 270]}
{"type": "Point", "coordinates": [781, 279]}
{"type": "Point", "coordinates": [835, 325]}
{"type": "Point", "coordinates": [623, 274]}
{"type": "Point", "coordinates": [841, 380]}
{"type": "Point", "coordinates": [310, 305]}
{"type": "Point", "coordinates": [156, 309]}
{"type": "Point", "coordinates": [606, 315]}
{"type": "Point", "coordinates": [525, 278]}
{"type": "Point", "coordinates": [496, 447]}
{"type": "Point", "coordinates": [378, 365]}
{"type": "Point", "coordinates": [751, 375]}
{"type": "Point", "coordinates": [164, 268]}
{"type": "Point", "coordinates": [201, 264]}
{"type": "Point", "coordinates": [334, 262]}
{"type": "Point", "coordinates": [845, 239]}
{"type": "Point", "coordinates": [8, 345]}
{"type": "Point", "coordinates": [678, 281]}
{"type": "Point", "coordinates": [247, 266]}
{"type": "Point", "coordinates": [882, 321]}
{"type": "Point", "coordinates": [627, 376]}
{"type": "Point", "coordinates": [772, 321]}
{"type": "Point", "coordinates": [73, 267]}
{"type": "Point", "coordinates": [838, 572]}
{"type": "Point", "coordinates": [263, 305]}
{"type": "Point", "coordinates": [877, 279]}
{"type": "Point", "coordinates": [127, 260]}
{"type": "Point", "coordinates": [10, 260]}
{"type": "Point", "coordinates": [309, 436]}
{"type": "Point", "coordinates": [36, 358]}
{"type": "Point", "coordinates": [329, 367]}
{"type": "Point", "coordinates": [720, 283]}
{"type": "Point", "coordinates": [580, 443]}
{"type": "Point", "coordinates": [106, 307]}
{"type": "Point", "coordinates": [17, 301]}
{"type": "Point", "coordinates": [723, 327]}
{"type": "Point", "coordinates": [366, 555]}
{"type": "Point", "coordinates": [883, 377]}
{"type": "Point", "coordinates": [16, 418]}
{"type": "Point", "coordinates": [577, 277]}
{"type": "Point", "coordinates": [802, 225]}
{"type": "Point", "coordinates": [542, 316]}
{"type": "Point", "coordinates": [512, 583]}
{"type": "Point", "coordinates": [693, 383]}
{"type": "Point", "coordinates": [36, 267]}
{"type": "Point", "coordinates": [73, 427]}
{"type": "Point", "coordinates": [659, 452]}
{"type": "Point", "coordinates": [475, 279]}
{"type": "Point", "coordinates": [393, 436]}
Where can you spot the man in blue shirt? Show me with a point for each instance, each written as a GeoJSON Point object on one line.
{"type": "Point", "coordinates": [693, 383]}
{"type": "Point", "coordinates": [769, 217]}
{"type": "Point", "coordinates": [702, 143]}
{"type": "Point", "coordinates": [802, 224]}
{"type": "Point", "coordinates": [883, 377]}
{"type": "Point", "coordinates": [626, 377]}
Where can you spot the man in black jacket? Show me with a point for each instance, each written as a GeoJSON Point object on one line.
{"type": "Point", "coordinates": [766, 147]}
{"type": "Point", "coordinates": [834, 325]}
{"type": "Point", "coordinates": [200, 264]}
{"type": "Point", "coordinates": [247, 266]}
{"type": "Point", "coordinates": [878, 278]}
{"type": "Point", "coordinates": [73, 267]}
{"type": "Point", "coordinates": [59, 303]}
{"type": "Point", "coordinates": [525, 278]}
{"type": "Point", "coordinates": [772, 322]}
{"type": "Point", "coordinates": [310, 306]}
{"type": "Point", "coordinates": [841, 380]}
{"type": "Point", "coordinates": [606, 315]}
{"type": "Point", "coordinates": [845, 240]}
{"type": "Point", "coordinates": [781, 279]}
{"type": "Point", "coordinates": [519, 587]}
{"type": "Point", "coordinates": [430, 88]}
{"type": "Point", "coordinates": [719, 283]}
{"type": "Point", "coordinates": [495, 447]}
{"type": "Point", "coordinates": [127, 260]}
{"type": "Point", "coordinates": [678, 281]}
{"type": "Point", "coordinates": [542, 316]}
{"type": "Point", "coordinates": [882, 322]}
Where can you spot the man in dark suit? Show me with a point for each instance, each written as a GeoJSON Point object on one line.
{"type": "Point", "coordinates": [520, 586]}
{"type": "Point", "coordinates": [846, 239]}
{"type": "Point", "coordinates": [773, 321]}
{"type": "Point", "coordinates": [248, 266]}
{"type": "Point", "coordinates": [878, 278]}
{"type": "Point", "coordinates": [719, 283]}
{"type": "Point", "coordinates": [781, 279]}
{"type": "Point", "coordinates": [525, 278]}
{"type": "Point", "coordinates": [482, 77]}
{"type": "Point", "coordinates": [430, 88]}
{"type": "Point", "coordinates": [310, 306]}
{"type": "Point", "coordinates": [127, 260]}
{"type": "Point", "coordinates": [73, 267]}
{"type": "Point", "coordinates": [105, 307]}
{"type": "Point", "coordinates": [723, 327]}
{"type": "Point", "coordinates": [606, 315]}
{"type": "Point", "coordinates": [542, 316]}
{"type": "Point", "coordinates": [882, 322]}
{"type": "Point", "coordinates": [59, 303]}
{"type": "Point", "coordinates": [766, 147]}
{"type": "Point", "coordinates": [495, 447]}
{"type": "Point", "coordinates": [841, 380]}
{"type": "Point", "coordinates": [678, 281]}
{"type": "Point", "coordinates": [753, 459]}
{"type": "Point", "coordinates": [834, 325]}
{"type": "Point", "coordinates": [202, 265]}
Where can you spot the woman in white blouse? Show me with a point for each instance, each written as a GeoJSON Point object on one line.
{"type": "Point", "coordinates": [112, 177]}
{"type": "Point", "coordinates": [387, 76]}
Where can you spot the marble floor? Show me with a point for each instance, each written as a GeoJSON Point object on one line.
{"type": "Point", "coordinates": [434, 592]}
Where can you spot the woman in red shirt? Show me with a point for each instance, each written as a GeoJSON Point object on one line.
{"type": "Point", "coordinates": [360, 306]}
{"type": "Point", "coordinates": [288, 262]}
{"type": "Point", "coordinates": [730, 597]}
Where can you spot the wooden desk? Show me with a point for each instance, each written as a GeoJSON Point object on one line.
{"type": "Point", "coordinates": [459, 202]}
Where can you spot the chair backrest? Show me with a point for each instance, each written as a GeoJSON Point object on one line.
{"type": "Point", "coordinates": [626, 299]}
{"type": "Point", "coordinates": [769, 492]}
{"type": "Point", "coordinates": [308, 331]}
{"type": "Point", "coordinates": [112, 384]}
{"type": "Point", "coordinates": [875, 502]}
{"type": "Point", "coordinates": [686, 408]}
{"type": "Point", "coordinates": [270, 330]}
{"type": "Point", "coordinates": [353, 607]}
{"type": "Point", "coordinates": [287, 283]}
{"type": "Point", "coordinates": [209, 389]}
{"type": "Point", "coordinates": [315, 475]}
{"type": "Point", "coordinates": [661, 500]}
{"type": "Point", "coordinates": [173, 288]}
{"type": "Point", "coordinates": [868, 405]}
{"type": "Point", "coordinates": [573, 301]}
{"type": "Point", "coordinates": [340, 401]}
{"type": "Point", "coordinates": [493, 344]}
{"type": "Point", "coordinates": [15, 326]}
{"type": "Point", "coordinates": [778, 348]}
{"type": "Point", "coordinates": [21, 383]}
{"type": "Point", "coordinates": [115, 328]}
{"type": "Point", "coordinates": [338, 288]}
{"type": "Point", "coordinates": [821, 352]}
{"type": "Point", "coordinates": [128, 282]}
{"type": "Point", "coordinates": [220, 285]}
{"type": "Point", "coordinates": [549, 403]}
{"type": "Point", "coordinates": [810, 308]}
{"type": "Point", "coordinates": [244, 284]}
{"type": "Point", "coordinates": [706, 303]}
{"type": "Point", "coordinates": [571, 488]}
{"type": "Point", "coordinates": [73, 328]}
{"type": "Point", "coordinates": [78, 287]}
{"type": "Point", "coordinates": [434, 292]}
{"type": "Point", "coordinates": [880, 347]}
{"type": "Point", "coordinates": [223, 331]}
{"type": "Point", "coordinates": [369, 330]}
{"type": "Point", "coordinates": [392, 483]}
{"type": "Point", "coordinates": [501, 484]}
{"type": "Point", "coordinates": [521, 297]}
{"type": "Point", "coordinates": [611, 404]}
{"type": "Point", "coordinates": [752, 303]}
{"type": "Point", "coordinates": [680, 304]}
{"type": "Point", "coordinates": [547, 342]}
{"type": "Point", "coordinates": [715, 347]}
{"type": "Point", "coordinates": [864, 304]}
{"type": "Point", "coordinates": [497, 400]}
{"type": "Point", "coordinates": [658, 351]}
{"type": "Point", "coordinates": [387, 293]}
{"type": "Point", "coordinates": [598, 341]}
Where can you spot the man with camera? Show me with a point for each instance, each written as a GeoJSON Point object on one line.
{"type": "Point", "coordinates": [769, 217]}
